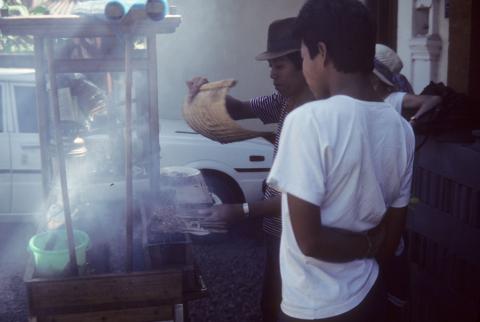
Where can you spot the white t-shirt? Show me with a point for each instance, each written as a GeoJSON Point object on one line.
{"type": "Point", "coordinates": [396, 100]}
{"type": "Point", "coordinates": [354, 160]}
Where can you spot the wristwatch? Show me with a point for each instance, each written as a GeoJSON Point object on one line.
{"type": "Point", "coordinates": [246, 209]}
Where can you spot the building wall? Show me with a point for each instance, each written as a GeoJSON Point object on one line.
{"type": "Point", "coordinates": [415, 28]}
{"type": "Point", "coordinates": [218, 39]}
{"type": "Point", "coordinates": [462, 43]}
{"type": "Point", "coordinates": [445, 36]}
{"type": "Point", "coordinates": [404, 34]}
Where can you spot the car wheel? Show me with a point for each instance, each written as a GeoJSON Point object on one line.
{"type": "Point", "coordinates": [222, 188]}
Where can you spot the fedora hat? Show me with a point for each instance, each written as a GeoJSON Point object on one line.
{"type": "Point", "coordinates": [207, 114]}
{"type": "Point", "coordinates": [280, 41]}
{"type": "Point", "coordinates": [386, 64]}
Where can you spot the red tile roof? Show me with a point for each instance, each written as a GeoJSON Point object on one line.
{"type": "Point", "coordinates": [60, 7]}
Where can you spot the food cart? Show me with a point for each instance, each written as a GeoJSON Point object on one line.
{"type": "Point", "coordinates": [140, 282]}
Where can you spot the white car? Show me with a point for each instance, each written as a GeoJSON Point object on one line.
{"type": "Point", "coordinates": [234, 172]}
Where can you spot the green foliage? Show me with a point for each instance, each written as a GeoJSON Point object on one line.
{"type": "Point", "coordinates": [16, 44]}
{"type": "Point", "coordinates": [40, 10]}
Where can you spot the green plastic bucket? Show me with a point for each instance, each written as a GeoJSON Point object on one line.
{"type": "Point", "coordinates": [54, 261]}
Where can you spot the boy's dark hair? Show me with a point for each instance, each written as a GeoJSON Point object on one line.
{"type": "Point", "coordinates": [296, 59]}
{"type": "Point", "coordinates": [347, 29]}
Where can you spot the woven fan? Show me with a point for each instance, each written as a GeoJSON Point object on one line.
{"type": "Point", "coordinates": [207, 114]}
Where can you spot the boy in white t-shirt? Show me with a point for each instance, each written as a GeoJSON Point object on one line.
{"type": "Point", "coordinates": [344, 167]}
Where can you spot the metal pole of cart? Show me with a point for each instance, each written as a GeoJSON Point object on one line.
{"type": "Point", "coordinates": [60, 156]}
{"type": "Point", "coordinates": [128, 153]}
{"type": "Point", "coordinates": [154, 162]}
{"type": "Point", "coordinates": [42, 108]}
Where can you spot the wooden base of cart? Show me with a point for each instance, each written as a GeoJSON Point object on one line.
{"type": "Point", "coordinates": [156, 295]}
{"type": "Point", "coordinates": [142, 296]}
{"type": "Point", "coordinates": [154, 291]}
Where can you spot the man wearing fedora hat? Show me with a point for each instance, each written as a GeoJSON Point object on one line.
{"type": "Point", "coordinates": [283, 56]}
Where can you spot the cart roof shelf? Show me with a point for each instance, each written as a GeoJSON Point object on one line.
{"type": "Point", "coordinates": [85, 26]}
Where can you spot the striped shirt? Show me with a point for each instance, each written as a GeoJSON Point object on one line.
{"type": "Point", "coordinates": [271, 109]}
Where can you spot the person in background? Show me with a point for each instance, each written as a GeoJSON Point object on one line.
{"type": "Point", "coordinates": [394, 88]}
{"type": "Point", "coordinates": [283, 57]}
{"type": "Point", "coordinates": [390, 84]}
{"type": "Point", "coordinates": [344, 166]}
{"type": "Point", "coordinates": [386, 56]}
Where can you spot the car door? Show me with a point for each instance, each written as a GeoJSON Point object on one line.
{"type": "Point", "coordinates": [5, 155]}
{"type": "Point", "coordinates": [26, 160]}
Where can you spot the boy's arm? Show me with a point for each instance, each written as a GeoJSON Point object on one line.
{"type": "Point", "coordinates": [330, 244]}
{"type": "Point", "coordinates": [223, 216]}
{"type": "Point", "coordinates": [239, 110]}
{"type": "Point", "coordinates": [394, 221]}
{"type": "Point", "coordinates": [267, 208]}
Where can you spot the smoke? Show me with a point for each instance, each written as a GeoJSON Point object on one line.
{"type": "Point", "coordinates": [94, 154]}
{"type": "Point", "coordinates": [218, 39]}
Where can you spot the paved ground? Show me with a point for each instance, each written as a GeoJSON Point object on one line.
{"type": "Point", "coordinates": [13, 256]}
{"type": "Point", "coordinates": [233, 272]}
